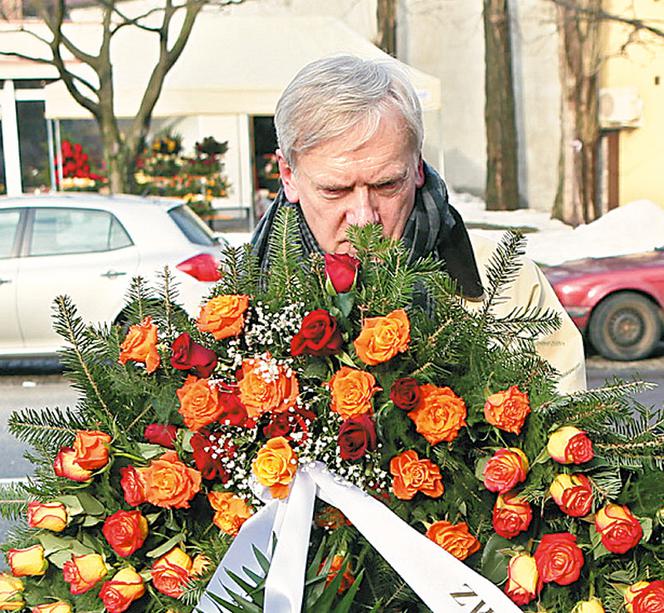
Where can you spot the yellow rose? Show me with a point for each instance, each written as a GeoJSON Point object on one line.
{"type": "Point", "coordinates": [84, 572]}
{"type": "Point", "coordinates": [54, 607]}
{"type": "Point", "coordinates": [171, 572]}
{"type": "Point", "coordinates": [569, 445]}
{"type": "Point", "coordinates": [49, 516]}
{"type": "Point", "coordinates": [275, 466]}
{"type": "Point", "coordinates": [522, 579]}
{"type": "Point", "coordinates": [588, 606]}
{"type": "Point", "coordinates": [10, 593]}
{"type": "Point", "coordinates": [27, 562]}
{"type": "Point", "coordinates": [125, 587]}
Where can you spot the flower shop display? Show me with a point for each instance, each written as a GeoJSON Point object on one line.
{"type": "Point", "coordinates": [164, 170]}
{"type": "Point", "coordinates": [439, 467]}
{"type": "Point", "coordinates": [76, 172]}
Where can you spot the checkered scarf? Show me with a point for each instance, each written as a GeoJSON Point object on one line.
{"type": "Point", "coordinates": [434, 227]}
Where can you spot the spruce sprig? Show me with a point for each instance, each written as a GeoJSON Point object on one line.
{"type": "Point", "coordinates": [503, 268]}
{"type": "Point", "coordinates": [50, 428]}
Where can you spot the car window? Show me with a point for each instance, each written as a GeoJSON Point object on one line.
{"type": "Point", "coordinates": [65, 231]}
{"type": "Point", "coordinates": [8, 226]}
{"type": "Point", "coordinates": [191, 225]}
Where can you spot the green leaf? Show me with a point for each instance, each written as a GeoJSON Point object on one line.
{"type": "Point", "coordinates": [90, 504]}
{"type": "Point", "coordinates": [494, 561]}
{"type": "Point", "coordinates": [90, 520]}
{"type": "Point", "coordinates": [148, 450]}
{"type": "Point", "coordinates": [646, 524]}
{"type": "Point", "coordinates": [165, 547]}
{"type": "Point", "coordinates": [599, 551]}
{"type": "Point", "coordinates": [479, 468]}
{"type": "Point", "coordinates": [345, 302]}
{"type": "Point", "coordinates": [73, 504]}
{"type": "Point", "coordinates": [347, 601]}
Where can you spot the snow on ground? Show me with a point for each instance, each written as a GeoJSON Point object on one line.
{"type": "Point", "coordinates": [631, 228]}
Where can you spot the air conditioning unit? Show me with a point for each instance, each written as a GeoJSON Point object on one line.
{"type": "Point", "coordinates": [620, 107]}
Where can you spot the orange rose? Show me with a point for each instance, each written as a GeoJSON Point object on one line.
{"type": "Point", "coordinates": [573, 494]}
{"type": "Point", "coordinates": [49, 516]}
{"type": "Point", "coordinates": [84, 572]}
{"type": "Point", "coordinates": [53, 607]}
{"type": "Point", "coordinates": [65, 465]}
{"type": "Point", "coordinates": [569, 445]}
{"type": "Point", "coordinates": [507, 468]}
{"type": "Point", "coordinates": [453, 538]}
{"type": "Point", "coordinates": [618, 528]}
{"type": "Point", "coordinates": [27, 562]}
{"type": "Point", "coordinates": [645, 597]}
{"type": "Point", "coordinates": [440, 414]}
{"type": "Point", "coordinates": [231, 511]}
{"type": "Point", "coordinates": [140, 345]}
{"type": "Point", "coordinates": [275, 466]}
{"type": "Point", "coordinates": [351, 391]}
{"type": "Point", "coordinates": [125, 587]}
{"type": "Point", "coordinates": [522, 579]}
{"type": "Point", "coordinates": [511, 515]}
{"type": "Point", "coordinates": [11, 598]}
{"type": "Point", "coordinates": [382, 338]}
{"type": "Point", "coordinates": [91, 449]}
{"type": "Point", "coordinates": [507, 410]}
{"type": "Point", "coordinates": [223, 316]}
{"type": "Point", "coordinates": [169, 483]}
{"type": "Point", "coordinates": [199, 403]}
{"type": "Point", "coordinates": [412, 475]}
{"type": "Point", "coordinates": [171, 572]}
{"type": "Point", "coordinates": [267, 387]}
{"type": "Point", "coordinates": [125, 531]}
{"type": "Point", "coordinates": [347, 579]}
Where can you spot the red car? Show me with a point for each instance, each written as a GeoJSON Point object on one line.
{"type": "Point", "coordinates": [616, 302]}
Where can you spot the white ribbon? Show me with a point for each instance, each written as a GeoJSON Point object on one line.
{"type": "Point", "coordinates": [442, 582]}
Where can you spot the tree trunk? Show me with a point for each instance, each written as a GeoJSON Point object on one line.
{"type": "Point", "coordinates": [502, 181]}
{"type": "Point", "coordinates": [386, 18]}
{"type": "Point", "coordinates": [577, 199]}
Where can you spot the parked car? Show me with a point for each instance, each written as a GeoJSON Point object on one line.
{"type": "Point", "coordinates": [89, 247]}
{"type": "Point", "coordinates": [616, 302]}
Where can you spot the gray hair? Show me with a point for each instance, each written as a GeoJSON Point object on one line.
{"type": "Point", "coordinates": [330, 96]}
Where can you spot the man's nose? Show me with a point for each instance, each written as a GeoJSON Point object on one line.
{"type": "Point", "coordinates": [362, 212]}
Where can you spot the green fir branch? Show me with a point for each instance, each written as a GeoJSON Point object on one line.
{"type": "Point", "coordinates": [49, 428]}
{"type": "Point", "coordinates": [13, 501]}
{"type": "Point", "coordinates": [503, 269]}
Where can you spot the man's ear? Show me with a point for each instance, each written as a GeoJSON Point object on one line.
{"type": "Point", "coordinates": [287, 178]}
{"type": "Point", "coordinates": [419, 182]}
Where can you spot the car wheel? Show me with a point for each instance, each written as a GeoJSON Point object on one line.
{"type": "Point", "coordinates": [625, 326]}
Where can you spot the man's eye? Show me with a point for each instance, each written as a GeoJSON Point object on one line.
{"type": "Point", "coordinates": [335, 191]}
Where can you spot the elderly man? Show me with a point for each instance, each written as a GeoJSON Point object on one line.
{"type": "Point", "coordinates": [350, 138]}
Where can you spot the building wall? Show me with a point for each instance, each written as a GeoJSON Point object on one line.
{"type": "Point", "coordinates": [640, 66]}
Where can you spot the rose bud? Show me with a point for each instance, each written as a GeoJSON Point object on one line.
{"type": "Point", "coordinates": [140, 345]}
{"type": "Point", "coordinates": [522, 579]}
{"type": "Point", "coordinates": [569, 445]}
{"type": "Point", "coordinates": [573, 494]}
{"type": "Point", "coordinates": [357, 435]}
{"type": "Point", "coordinates": [65, 465]}
{"type": "Point", "coordinates": [125, 532]}
{"type": "Point", "coordinates": [588, 606]}
{"type": "Point", "coordinates": [511, 515]}
{"type": "Point", "coordinates": [319, 335]}
{"type": "Point", "coordinates": [171, 572]}
{"type": "Point", "coordinates": [91, 448]}
{"type": "Point", "coordinates": [125, 587]}
{"type": "Point", "coordinates": [340, 272]}
{"type": "Point", "coordinates": [188, 355]}
{"type": "Point", "coordinates": [27, 562]}
{"type": "Point", "coordinates": [618, 528]}
{"type": "Point", "coordinates": [161, 434]}
{"type": "Point", "coordinates": [453, 538]}
{"type": "Point", "coordinates": [132, 486]}
{"type": "Point", "coordinates": [84, 572]}
{"type": "Point", "coordinates": [645, 597]}
{"type": "Point", "coordinates": [53, 607]}
{"type": "Point", "coordinates": [559, 559]}
{"type": "Point", "coordinates": [10, 593]}
{"type": "Point", "coordinates": [507, 468]}
{"type": "Point", "coordinates": [231, 511]}
{"type": "Point", "coordinates": [507, 410]}
{"type": "Point", "coordinates": [405, 393]}
{"type": "Point", "coordinates": [48, 516]}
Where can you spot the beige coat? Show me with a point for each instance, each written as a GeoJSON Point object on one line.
{"type": "Point", "coordinates": [563, 349]}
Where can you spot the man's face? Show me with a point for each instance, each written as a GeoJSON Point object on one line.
{"type": "Point", "coordinates": [339, 184]}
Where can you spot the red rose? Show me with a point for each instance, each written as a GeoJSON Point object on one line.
{"type": "Point", "coordinates": [125, 532]}
{"type": "Point", "coordinates": [511, 515]}
{"type": "Point", "coordinates": [558, 559]}
{"type": "Point", "coordinates": [508, 467]}
{"type": "Point", "coordinates": [160, 434]}
{"type": "Point", "coordinates": [233, 412]}
{"type": "Point", "coordinates": [318, 335]}
{"type": "Point", "coordinates": [650, 599]}
{"type": "Point", "coordinates": [188, 355]}
{"type": "Point", "coordinates": [286, 423]}
{"type": "Point", "coordinates": [210, 450]}
{"type": "Point", "coordinates": [341, 271]}
{"type": "Point", "coordinates": [132, 486]}
{"type": "Point", "coordinates": [618, 528]}
{"type": "Point", "coordinates": [356, 436]}
{"type": "Point", "coordinates": [405, 393]}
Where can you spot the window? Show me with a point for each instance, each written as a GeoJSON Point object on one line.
{"type": "Point", "coordinates": [61, 231]}
{"type": "Point", "coordinates": [8, 226]}
{"type": "Point", "coordinates": [191, 225]}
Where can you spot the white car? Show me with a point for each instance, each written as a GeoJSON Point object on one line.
{"type": "Point", "coordinates": [89, 247]}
